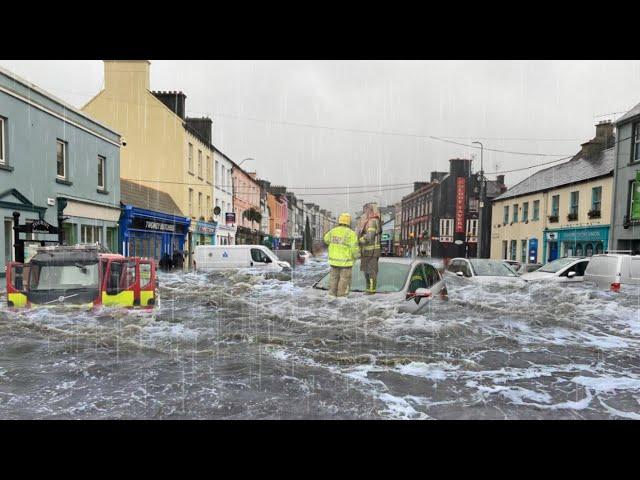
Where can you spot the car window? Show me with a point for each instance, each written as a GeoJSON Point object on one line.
{"type": "Point", "coordinates": [418, 279]}
{"type": "Point", "coordinates": [433, 276]}
{"type": "Point", "coordinates": [556, 265]}
{"type": "Point", "coordinates": [258, 255]}
{"type": "Point", "coordinates": [493, 268]}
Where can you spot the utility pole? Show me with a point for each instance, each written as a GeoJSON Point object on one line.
{"type": "Point", "coordinates": [481, 198]}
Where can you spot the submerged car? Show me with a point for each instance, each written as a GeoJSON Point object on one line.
{"type": "Point", "coordinates": [612, 271]}
{"type": "Point", "coordinates": [514, 264]}
{"type": "Point", "coordinates": [481, 269]}
{"type": "Point", "coordinates": [564, 270]}
{"type": "Point", "coordinates": [81, 276]}
{"type": "Point", "coordinates": [410, 283]}
{"type": "Point", "coordinates": [528, 268]}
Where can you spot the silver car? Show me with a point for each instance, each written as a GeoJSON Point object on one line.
{"type": "Point", "coordinates": [563, 270]}
{"type": "Point", "coordinates": [482, 269]}
{"type": "Point", "coordinates": [410, 283]}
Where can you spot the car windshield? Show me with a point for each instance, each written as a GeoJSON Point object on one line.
{"type": "Point", "coordinates": [556, 265]}
{"type": "Point", "coordinates": [492, 268]}
{"type": "Point", "coordinates": [391, 278]}
{"type": "Point", "coordinates": [63, 277]}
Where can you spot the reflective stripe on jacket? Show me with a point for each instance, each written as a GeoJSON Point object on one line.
{"type": "Point", "coordinates": [370, 239]}
{"type": "Point", "coordinates": [343, 246]}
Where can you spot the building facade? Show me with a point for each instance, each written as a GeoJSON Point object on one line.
{"type": "Point", "coordinates": [625, 223]}
{"type": "Point", "coordinates": [163, 149]}
{"type": "Point", "coordinates": [246, 198]}
{"type": "Point", "coordinates": [57, 164]}
{"type": "Point", "coordinates": [417, 208]}
{"type": "Point", "coordinates": [223, 198]}
{"type": "Point", "coordinates": [561, 211]}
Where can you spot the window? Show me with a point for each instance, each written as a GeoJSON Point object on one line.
{"type": "Point", "coordinates": [588, 250]}
{"type": "Point", "coordinates": [200, 204]}
{"type": "Point", "coordinates": [505, 218]}
{"type": "Point", "coordinates": [101, 172]}
{"type": "Point", "coordinates": [90, 234]}
{"type": "Point", "coordinates": [555, 205]}
{"type": "Point", "coordinates": [472, 227]}
{"type": "Point", "coordinates": [61, 154]}
{"type": "Point", "coordinates": [191, 202]}
{"type": "Point", "coordinates": [209, 169]}
{"type": "Point", "coordinates": [190, 158]}
{"type": "Point", "coordinates": [514, 245]}
{"type": "Point", "coordinates": [525, 212]}
{"type": "Point", "coordinates": [636, 142]}
{"type": "Point", "coordinates": [523, 251]}
{"type": "Point", "coordinates": [504, 249]}
{"type": "Point", "coordinates": [596, 198]}
{"type": "Point", "coordinates": [515, 213]}
{"type": "Point", "coordinates": [634, 206]}
{"type": "Point", "coordinates": [208, 206]}
{"type": "Point", "coordinates": [573, 205]}
{"type": "Point", "coordinates": [3, 157]}
{"type": "Point", "coordinates": [536, 210]}
{"type": "Point", "coordinates": [446, 227]}
{"type": "Point", "coordinates": [200, 163]}
{"type": "Point", "coordinates": [112, 239]}
{"type": "Point", "coordinates": [8, 240]}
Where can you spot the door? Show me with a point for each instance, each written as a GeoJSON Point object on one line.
{"type": "Point", "coordinates": [259, 259]}
{"type": "Point", "coordinates": [17, 284]}
{"type": "Point", "coordinates": [146, 288]}
{"type": "Point", "coordinates": [119, 283]}
{"type": "Point", "coordinates": [553, 251]}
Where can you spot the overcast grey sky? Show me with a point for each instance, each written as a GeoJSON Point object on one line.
{"type": "Point", "coordinates": [542, 107]}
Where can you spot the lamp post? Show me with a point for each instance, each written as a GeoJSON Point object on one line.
{"type": "Point", "coordinates": [249, 158]}
{"type": "Point", "coordinates": [481, 198]}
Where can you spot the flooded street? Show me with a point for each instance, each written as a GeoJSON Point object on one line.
{"type": "Point", "coordinates": [240, 346]}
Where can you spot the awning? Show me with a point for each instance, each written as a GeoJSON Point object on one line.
{"type": "Point", "coordinates": [91, 211]}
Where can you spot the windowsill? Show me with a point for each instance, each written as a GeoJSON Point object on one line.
{"type": "Point", "coordinates": [6, 167]}
{"type": "Point", "coordinates": [200, 178]}
{"type": "Point", "coordinates": [190, 172]}
{"type": "Point", "coordinates": [62, 181]}
{"type": "Point", "coordinates": [102, 191]}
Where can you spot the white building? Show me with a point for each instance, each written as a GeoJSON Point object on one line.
{"type": "Point", "coordinates": [223, 198]}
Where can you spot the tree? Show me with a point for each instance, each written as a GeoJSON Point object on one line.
{"type": "Point", "coordinates": [308, 242]}
{"type": "Point", "coordinates": [253, 215]}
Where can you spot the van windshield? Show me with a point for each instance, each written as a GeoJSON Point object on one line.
{"type": "Point", "coordinates": [63, 277]}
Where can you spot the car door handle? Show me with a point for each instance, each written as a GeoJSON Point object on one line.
{"type": "Point", "coordinates": [251, 264]}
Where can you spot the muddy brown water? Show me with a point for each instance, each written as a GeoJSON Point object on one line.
{"type": "Point", "coordinates": [241, 346]}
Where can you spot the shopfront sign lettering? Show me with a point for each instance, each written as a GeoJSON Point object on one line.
{"type": "Point", "coordinates": [460, 202]}
{"type": "Point", "coordinates": [155, 225]}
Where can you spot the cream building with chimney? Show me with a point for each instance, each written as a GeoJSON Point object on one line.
{"type": "Point", "coordinates": [162, 148]}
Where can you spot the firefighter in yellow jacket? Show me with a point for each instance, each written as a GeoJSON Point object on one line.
{"type": "Point", "coordinates": [369, 233]}
{"type": "Point", "coordinates": [343, 250]}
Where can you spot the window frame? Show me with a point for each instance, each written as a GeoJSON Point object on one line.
{"type": "Point", "coordinates": [525, 211]}
{"type": "Point", "coordinates": [536, 210]}
{"type": "Point", "coordinates": [64, 159]}
{"type": "Point", "coordinates": [555, 205]}
{"type": "Point", "coordinates": [505, 213]}
{"type": "Point", "coordinates": [3, 141]}
{"type": "Point", "coordinates": [635, 142]}
{"type": "Point", "coordinates": [514, 218]}
{"type": "Point", "coordinates": [199, 164]}
{"type": "Point", "coordinates": [190, 156]}
{"type": "Point", "coordinates": [593, 203]}
{"type": "Point", "coordinates": [102, 170]}
{"type": "Point", "coordinates": [575, 194]}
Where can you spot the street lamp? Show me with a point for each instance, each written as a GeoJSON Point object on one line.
{"type": "Point", "coordinates": [249, 158]}
{"type": "Point", "coordinates": [481, 198]}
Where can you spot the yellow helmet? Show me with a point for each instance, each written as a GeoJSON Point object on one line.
{"type": "Point", "coordinates": [344, 219]}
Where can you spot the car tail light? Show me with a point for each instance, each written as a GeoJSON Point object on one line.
{"type": "Point", "coordinates": [615, 287]}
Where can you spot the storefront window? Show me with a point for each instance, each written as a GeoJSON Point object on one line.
{"type": "Point", "coordinates": [579, 250]}
{"type": "Point", "coordinates": [514, 246]}
{"type": "Point", "coordinates": [588, 250]}
{"type": "Point", "coordinates": [8, 240]}
{"type": "Point", "coordinates": [112, 239]}
{"type": "Point", "coordinates": [599, 248]}
{"type": "Point", "coordinates": [69, 233]}
{"type": "Point", "coordinates": [523, 253]}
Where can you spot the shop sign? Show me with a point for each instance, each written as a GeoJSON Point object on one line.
{"type": "Point", "coordinates": [155, 225]}
{"type": "Point", "coordinates": [205, 228]}
{"type": "Point", "coordinates": [460, 201]}
{"type": "Point", "coordinates": [230, 218]}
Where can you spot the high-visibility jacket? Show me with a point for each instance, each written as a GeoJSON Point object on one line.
{"type": "Point", "coordinates": [343, 246]}
{"type": "Point", "coordinates": [370, 238]}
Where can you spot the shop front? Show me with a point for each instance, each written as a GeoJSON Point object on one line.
{"type": "Point", "coordinates": [225, 234]}
{"type": "Point", "coordinates": [205, 233]}
{"type": "Point", "coordinates": [575, 242]}
{"type": "Point", "coordinates": [145, 233]}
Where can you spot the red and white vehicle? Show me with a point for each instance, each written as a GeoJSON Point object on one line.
{"type": "Point", "coordinates": [82, 276]}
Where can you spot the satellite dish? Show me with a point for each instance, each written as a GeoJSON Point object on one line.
{"type": "Point", "coordinates": [216, 211]}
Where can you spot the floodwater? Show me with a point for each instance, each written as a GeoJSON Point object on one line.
{"type": "Point", "coordinates": [241, 346]}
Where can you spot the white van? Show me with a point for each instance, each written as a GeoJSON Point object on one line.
{"type": "Point", "coordinates": [208, 258]}
{"type": "Point", "coordinates": [610, 271]}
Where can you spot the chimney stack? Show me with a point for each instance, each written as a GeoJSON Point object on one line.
{"type": "Point", "coordinates": [175, 101]}
{"type": "Point", "coordinates": [605, 138]}
{"type": "Point", "coordinates": [203, 126]}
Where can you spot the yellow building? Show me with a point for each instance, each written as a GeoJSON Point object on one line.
{"type": "Point", "coordinates": [561, 211]}
{"type": "Point", "coordinates": [162, 148]}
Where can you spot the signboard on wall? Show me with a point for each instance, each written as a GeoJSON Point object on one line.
{"type": "Point", "coordinates": [230, 218]}
{"type": "Point", "coordinates": [156, 225]}
{"type": "Point", "coordinates": [635, 206]}
{"type": "Point", "coordinates": [460, 201]}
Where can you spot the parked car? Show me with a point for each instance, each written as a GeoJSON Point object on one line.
{"type": "Point", "coordinates": [208, 258]}
{"type": "Point", "coordinates": [612, 271]}
{"type": "Point", "coordinates": [515, 265]}
{"type": "Point", "coordinates": [528, 268]}
{"type": "Point", "coordinates": [408, 283]}
{"type": "Point", "coordinates": [293, 257]}
{"type": "Point", "coordinates": [481, 269]}
{"type": "Point", "coordinates": [564, 270]}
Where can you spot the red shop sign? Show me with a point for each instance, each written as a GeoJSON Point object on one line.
{"type": "Point", "coordinates": [460, 198]}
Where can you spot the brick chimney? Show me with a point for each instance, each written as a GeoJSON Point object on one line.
{"type": "Point", "coordinates": [203, 126]}
{"type": "Point", "coordinates": [175, 101]}
{"type": "Point", "coordinates": [460, 167]}
{"type": "Point", "coordinates": [438, 176]}
{"type": "Point", "coordinates": [604, 138]}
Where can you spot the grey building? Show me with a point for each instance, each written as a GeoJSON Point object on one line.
{"type": "Point", "coordinates": [625, 224]}
{"type": "Point", "coordinates": [58, 165]}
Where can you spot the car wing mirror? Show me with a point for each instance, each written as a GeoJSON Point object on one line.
{"type": "Point", "coordinates": [423, 292]}
{"type": "Point", "coordinates": [460, 274]}
{"type": "Point", "coordinates": [571, 274]}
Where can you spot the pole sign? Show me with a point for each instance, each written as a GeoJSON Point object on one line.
{"type": "Point", "coordinates": [460, 199]}
{"type": "Point", "coordinates": [230, 218]}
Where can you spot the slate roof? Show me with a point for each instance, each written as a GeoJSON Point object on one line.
{"type": "Point", "coordinates": [630, 114]}
{"type": "Point", "coordinates": [140, 196]}
{"type": "Point", "coordinates": [578, 169]}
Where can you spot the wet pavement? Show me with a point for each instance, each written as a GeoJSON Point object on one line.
{"type": "Point", "coordinates": [240, 346]}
